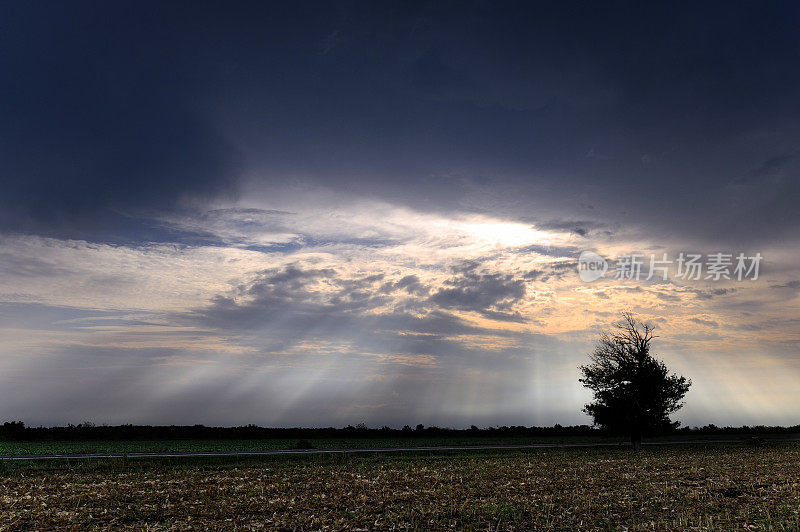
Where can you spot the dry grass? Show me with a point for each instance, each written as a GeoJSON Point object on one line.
{"type": "Point", "coordinates": [713, 487]}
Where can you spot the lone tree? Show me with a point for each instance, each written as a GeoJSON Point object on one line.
{"type": "Point", "coordinates": [634, 393]}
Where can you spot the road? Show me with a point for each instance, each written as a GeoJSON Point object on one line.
{"type": "Point", "coordinates": [349, 451]}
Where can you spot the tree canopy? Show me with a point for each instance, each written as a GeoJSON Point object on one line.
{"type": "Point", "coordinates": [634, 393]}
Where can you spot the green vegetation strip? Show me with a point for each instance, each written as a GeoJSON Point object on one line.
{"type": "Point", "coordinates": [663, 488]}
{"type": "Point", "coordinates": [11, 448]}
{"type": "Point", "coordinates": [168, 446]}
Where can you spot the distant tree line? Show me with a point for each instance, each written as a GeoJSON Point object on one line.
{"type": "Point", "coordinates": [89, 431]}
{"type": "Point", "coordinates": [17, 431]}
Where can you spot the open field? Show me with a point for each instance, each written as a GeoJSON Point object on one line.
{"type": "Point", "coordinates": [701, 487]}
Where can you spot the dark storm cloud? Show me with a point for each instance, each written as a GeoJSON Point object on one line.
{"type": "Point", "coordinates": [283, 294]}
{"type": "Point", "coordinates": [791, 286]}
{"type": "Point", "coordinates": [707, 323]}
{"type": "Point", "coordinates": [283, 307]}
{"type": "Point", "coordinates": [409, 283]}
{"type": "Point", "coordinates": [711, 293]}
{"type": "Point", "coordinates": [299, 300]}
{"type": "Point", "coordinates": [302, 298]}
{"type": "Point", "coordinates": [100, 121]}
{"type": "Point", "coordinates": [551, 251]}
{"type": "Point", "coordinates": [491, 294]}
{"type": "Point", "coordinates": [579, 227]}
{"type": "Point", "coordinates": [118, 109]}
{"type": "Point", "coordinates": [668, 297]}
{"type": "Point", "coordinates": [553, 270]}
{"type": "Point", "coordinates": [288, 283]}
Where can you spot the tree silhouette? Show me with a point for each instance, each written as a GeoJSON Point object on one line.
{"type": "Point", "coordinates": [634, 393]}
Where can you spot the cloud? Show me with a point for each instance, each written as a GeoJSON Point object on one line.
{"type": "Point", "coordinates": [710, 293]}
{"type": "Point", "coordinates": [97, 130]}
{"type": "Point", "coordinates": [770, 169]}
{"type": "Point", "coordinates": [100, 133]}
{"type": "Point", "coordinates": [409, 283]}
{"type": "Point", "coordinates": [493, 295]}
{"type": "Point", "coordinates": [325, 301]}
{"type": "Point", "coordinates": [548, 271]}
{"type": "Point", "coordinates": [14, 265]}
{"type": "Point", "coordinates": [579, 227]}
{"type": "Point", "coordinates": [791, 286]}
{"type": "Point", "coordinates": [344, 322]}
{"type": "Point", "coordinates": [707, 323]}
{"type": "Point", "coordinates": [275, 203]}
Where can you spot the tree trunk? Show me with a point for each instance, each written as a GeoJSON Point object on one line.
{"type": "Point", "coordinates": [636, 440]}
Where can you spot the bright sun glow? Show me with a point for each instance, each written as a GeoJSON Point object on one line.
{"type": "Point", "coordinates": [507, 234]}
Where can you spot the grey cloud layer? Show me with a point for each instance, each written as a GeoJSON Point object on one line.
{"type": "Point", "coordinates": [320, 300]}
{"type": "Point", "coordinates": [182, 154]}
{"type": "Point", "coordinates": [605, 114]}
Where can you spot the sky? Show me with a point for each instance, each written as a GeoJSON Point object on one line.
{"type": "Point", "coordinates": [321, 214]}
